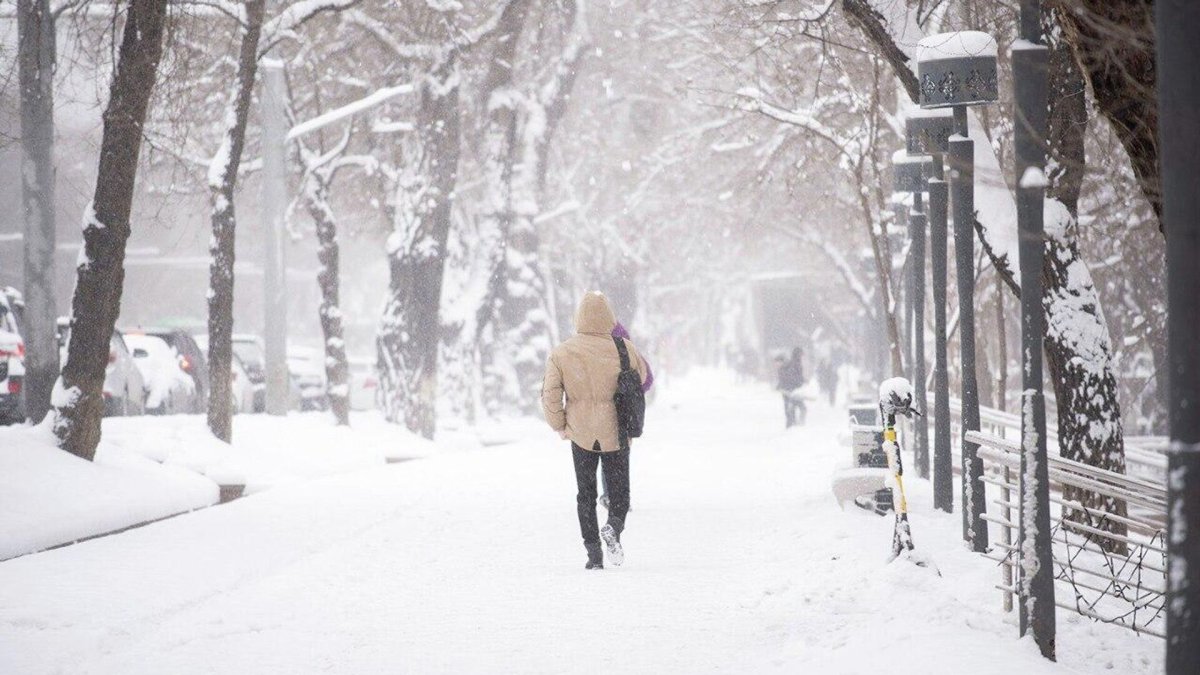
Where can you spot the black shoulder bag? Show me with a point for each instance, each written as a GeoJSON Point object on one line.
{"type": "Point", "coordinates": [629, 398]}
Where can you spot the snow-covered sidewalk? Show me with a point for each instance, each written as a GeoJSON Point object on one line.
{"type": "Point", "coordinates": [148, 468]}
{"type": "Point", "coordinates": [738, 560]}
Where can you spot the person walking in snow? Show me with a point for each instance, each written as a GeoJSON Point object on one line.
{"type": "Point", "coordinates": [577, 400]}
{"type": "Point", "coordinates": [621, 332]}
{"type": "Point", "coordinates": [791, 377]}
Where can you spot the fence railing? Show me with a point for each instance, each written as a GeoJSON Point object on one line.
{"type": "Point", "coordinates": [1106, 576]}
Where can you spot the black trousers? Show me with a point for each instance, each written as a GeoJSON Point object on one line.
{"type": "Point", "coordinates": [615, 466]}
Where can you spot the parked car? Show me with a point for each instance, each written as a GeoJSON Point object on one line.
{"type": "Point", "coordinates": [306, 370]}
{"type": "Point", "coordinates": [364, 383]}
{"type": "Point", "coordinates": [12, 357]}
{"type": "Point", "coordinates": [124, 387]}
{"type": "Point", "coordinates": [242, 384]}
{"type": "Point", "coordinates": [191, 360]}
{"type": "Point", "coordinates": [250, 350]}
{"type": "Point", "coordinates": [170, 389]}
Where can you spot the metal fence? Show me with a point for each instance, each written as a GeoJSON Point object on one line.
{"type": "Point", "coordinates": [1108, 577]}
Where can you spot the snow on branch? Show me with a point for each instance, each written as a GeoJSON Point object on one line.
{"type": "Point", "coordinates": [383, 33]}
{"type": "Point", "coordinates": [804, 119]}
{"type": "Point", "coordinates": [338, 114]}
{"type": "Point", "coordinates": [296, 15]}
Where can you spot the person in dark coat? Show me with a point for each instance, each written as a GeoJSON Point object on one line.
{"type": "Point", "coordinates": [791, 377]}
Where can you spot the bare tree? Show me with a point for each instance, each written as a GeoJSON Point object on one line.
{"type": "Point", "coordinates": [222, 181]}
{"type": "Point", "coordinates": [409, 334]}
{"type": "Point", "coordinates": [79, 401]}
{"type": "Point", "coordinates": [319, 173]}
{"type": "Point", "coordinates": [1113, 43]}
{"type": "Point", "coordinates": [1080, 362]}
{"type": "Point", "coordinates": [517, 307]}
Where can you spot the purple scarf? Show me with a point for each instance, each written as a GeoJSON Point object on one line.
{"type": "Point", "coordinates": [621, 332]}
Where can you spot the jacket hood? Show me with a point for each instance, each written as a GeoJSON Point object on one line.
{"type": "Point", "coordinates": [594, 316]}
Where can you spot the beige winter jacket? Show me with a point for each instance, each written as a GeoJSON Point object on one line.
{"type": "Point", "coordinates": [581, 378]}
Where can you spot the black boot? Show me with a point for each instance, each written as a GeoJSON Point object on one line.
{"type": "Point", "coordinates": [595, 557]}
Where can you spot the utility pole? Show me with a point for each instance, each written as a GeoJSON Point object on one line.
{"type": "Point", "coordinates": [274, 203]}
{"type": "Point", "coordinates": [1177, 23]}
{"type": "Point", "coordinates": [909, 175]}
{"type": "Point", "coordinates": [1036, 569]}
{"type": "Point", "coordinates": [35, 57]}
{"type": "Point", "coordinates": [943, 478]}
{"type": "Point", "coordinates": [962, 188]}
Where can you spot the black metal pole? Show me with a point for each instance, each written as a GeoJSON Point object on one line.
{"type": "Point", "coordinates": [1178, 26]}
{"type": "Point", "coordinates": [1036, 569]}
{"type": "Point", "coordinates": [962, 189]}
{"type": "Point", "coordinates": [943, 480]}
{"type": "Point", "coordinates": [921, 447]}
{"type": "Point", "coordinates": [907, 275]}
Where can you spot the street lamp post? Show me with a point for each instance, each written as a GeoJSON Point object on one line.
{"type": "Point", "coordinates": [910, 175]}
{"type": "Point", "coordinates": [958, 70]}
{"type": "Point", "coordinates": [1030, 121]}
{"type": "Point", "coordinates": [1178, 24]}
{"type": "Point", "coordinates": [927, 133]}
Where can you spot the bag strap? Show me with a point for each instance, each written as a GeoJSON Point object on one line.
{"type": "Point", "coordinates": [622, 352]}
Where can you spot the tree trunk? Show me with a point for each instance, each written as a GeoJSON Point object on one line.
{"type": "Point", "coordinates": [1113, 43]}
{"type": "Point", "coordinates": [222, 181]}
{"type": "Point", "coordinates": [501, 154]}
{"type": "Point", "coordinates": [523, 330]}
{"type": "Point", "coordinates": [881, 251]}
{"type": "Point", "coordinates": [316, 199]}
{"type": "Point", "coordinates": [1078, 350]}
{"type": "Point", "coordinates": [79, 404]}
{"type": "Point", "coordinates": [410, 330]}
{"type": "Point", "coordinates": [36, 56]}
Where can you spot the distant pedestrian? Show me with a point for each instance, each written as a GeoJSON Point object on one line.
{"type": "Point", "coordinates": [577, 399]}
{"type": "Point", "coordinates": [791, 378]}
{"type": "Point", "coordinates": [827, 375]}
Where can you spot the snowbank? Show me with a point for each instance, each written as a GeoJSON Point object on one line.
{"type": "Point", "coordinates": [268, 451]}
{"type": "Point", "coordinates": [151, 467]}
{"type": "Point", "coordinates": [50, 497]}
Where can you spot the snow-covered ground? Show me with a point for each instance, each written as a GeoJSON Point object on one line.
{"type": "Point", "coordinates": [737, 560]}
{"type": "Point", "coordinates": [49, 497]}
{"type": "Point", "coordinates": [148, 468]}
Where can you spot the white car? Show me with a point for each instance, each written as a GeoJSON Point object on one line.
{"type": "Point", "coordinates": [242, 386]}
{"type": "Point", "coordinates": [124, 389]}
{"type": "Point", "coordinates": [306, 368]}
{"type": "Point", "coordinates": [169, 389]}
{"type": "Point", "coordinates": [12, 358]}
{"type": "Point", "coordinates": [124, 386]}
